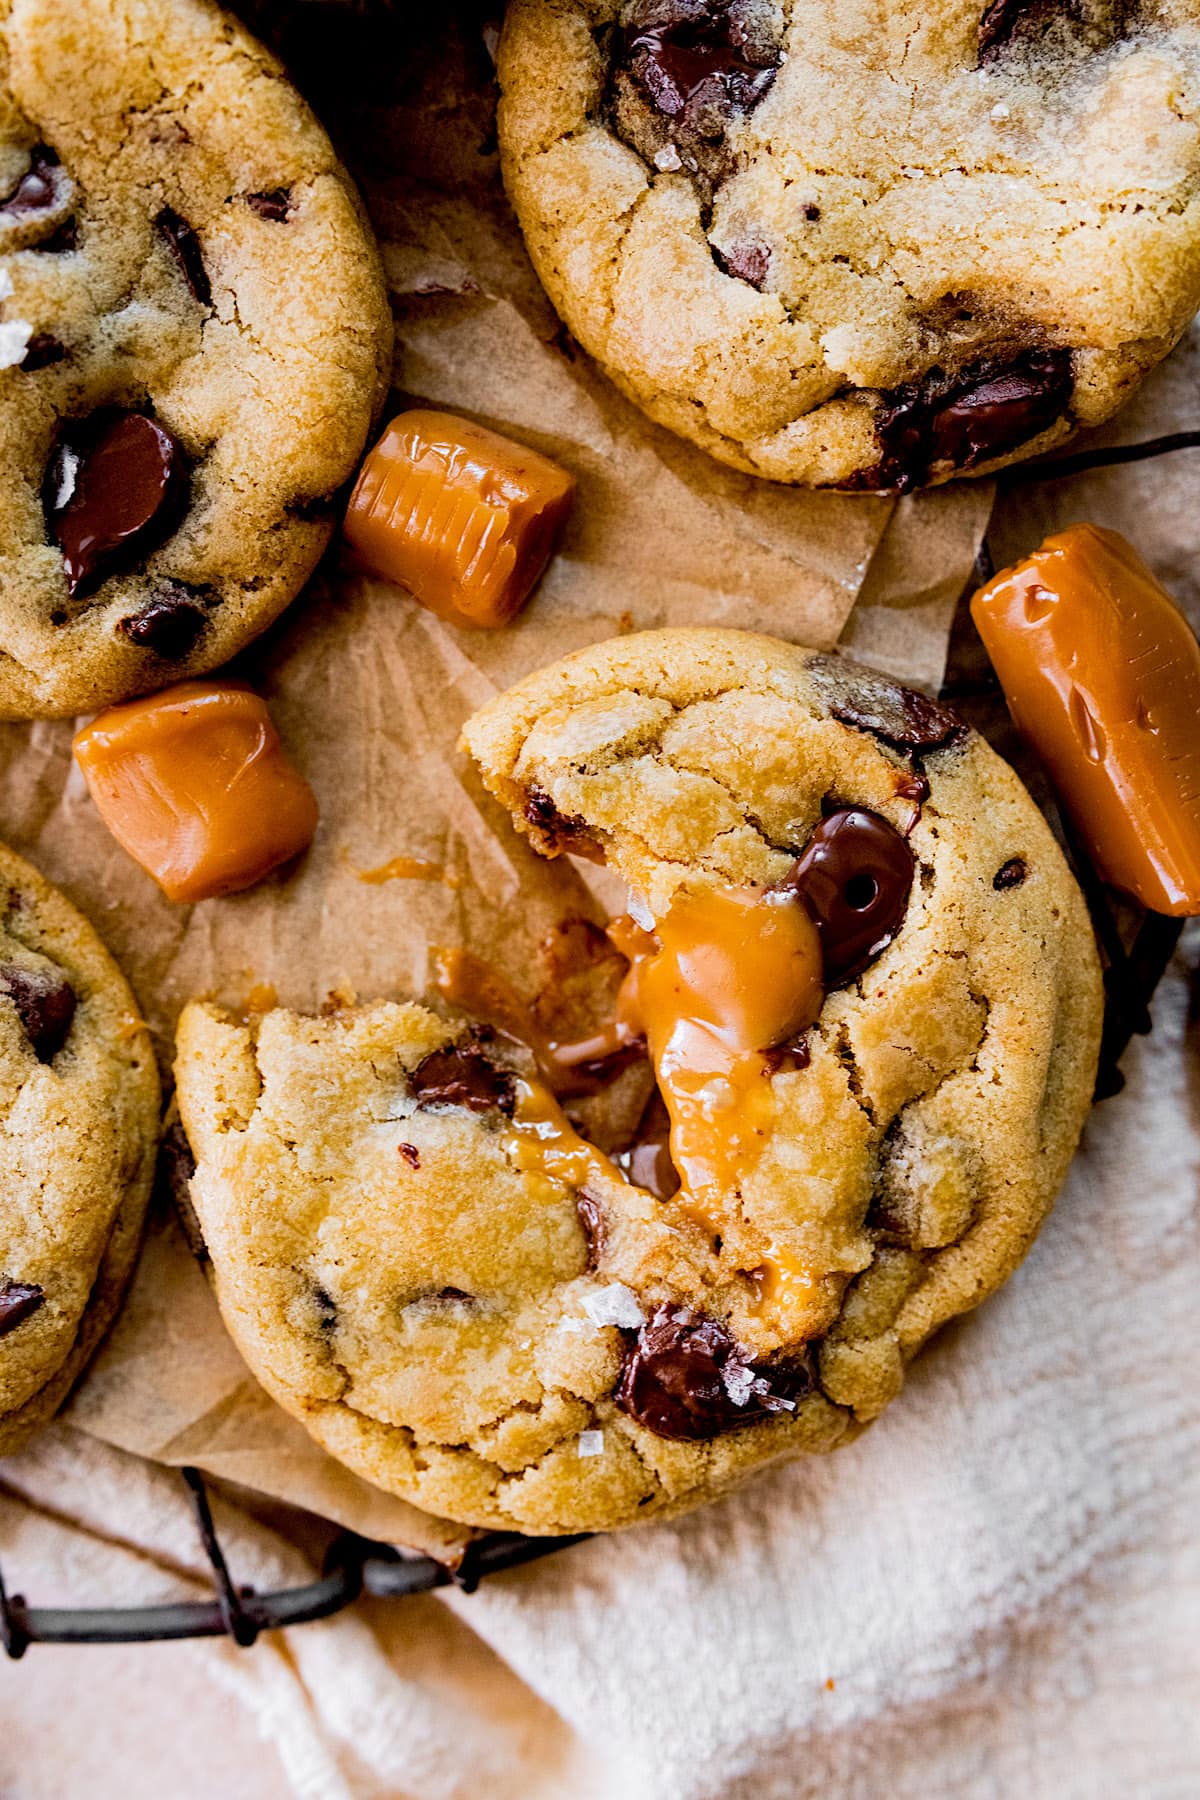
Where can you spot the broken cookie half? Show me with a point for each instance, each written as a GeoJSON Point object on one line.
{"type": "Point", "coordinates": [867, 1059]}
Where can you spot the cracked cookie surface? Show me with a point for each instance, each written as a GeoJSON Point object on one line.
{"type": "Point", "coordinates": [871, 246]}
{"type": "Point", "coordinates": [475, 1307]}
{"type": "Point", "coordinates": [194, 338]}
{"type": "Point", "coordinates": [77, 1144]}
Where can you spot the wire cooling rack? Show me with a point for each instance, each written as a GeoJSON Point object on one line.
{"type": "Point", "coordinates": [1136, 956]}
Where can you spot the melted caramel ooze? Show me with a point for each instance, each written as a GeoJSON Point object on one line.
{"type": "Point", "coordinates": [730, 972]}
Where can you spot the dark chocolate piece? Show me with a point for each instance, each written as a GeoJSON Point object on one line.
{"type": "Point", "coordinates": [453, 1293]}
{"type": "Point", "coordinates": [591, 1223]}
{"type": "Point", "coordinates": [646, 1162]}
{"type": "Point", "coordinates": [184, 246]}
{"type": "Point", "coordinates": [900, 716]}
{"type": "Point", "coordinates": [411, 1155]}
{"type": "Point", "coordinates": [42, 351]}
{"type": "Point", "coordinates": [556, 830]}
{"type": "Point", "coordinates": [65, 239]}
{"type": "Point", "coordinates": [992, 407]}
{"type": "Point", "coordinates": [169, 625]}
{"type": "Point", "coordinates": [686, 1378]}
{"type": "Point", "coordinates": [45, 1003]}
{"type": "Point", "coordinates": [1011, 874]}
{"type": "Point", "coordinates": [42, 191]}
{"type": "Point", "coordinates": [172, 1184]}
{"type": "Point", "coordinates": [748, 262]}
{"type": "Point", "coordinates": [691, 55]}
{"type": "Point", "coordinates": [854, 875]}
{"type": "Point", "coordinates": [19, 1300]}
{"type": "Point", "coordinates": [115, 487]}
{"type": "Point", "coordinates": [463, 1075]}
{"type": "Point", "coordinates": [275, 204]}
{"type": "Point", "coordinates": [326, 1307]}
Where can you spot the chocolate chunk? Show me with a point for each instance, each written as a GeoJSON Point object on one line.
{"type": "Point", "coordinates": [326, 1309]}
{"type": "Point", "coordinates": [556, 830]}
{"type": "Point", "coordinates": [172, 1184]}
{"type": "Point", "coordinates": [854, 876]}
{"type": "Point", "coordinates": [42, 351]}
{"type": "Point", "coordinates": [184, 246]}
{"type": "Point", "coordinates": [452, 1293]}
{"type": "Point", "coordinates": [169, 625]}
{"type": "Point", "coordinates": [45, 1003]}
{"type": "Point", "coordinates": [1011, 874]}
{"type": "Point", "coordinates": [647, 1160]}
{"type": "Point", "coordinates": [898, 715]}
{"type": "Point", "coordinates": [40, 195]}
{"type": "Point", "coordinates": [701, 55]}
{"type": "Point", "coordinates": [686, 1378]}
{"type": "Point", "coordinates": [411, 1155]}
{"type": "Point", "coordinates": [991, 408]}
{"type": "Point", "coordinates": [683, 70]}
{"type": "Point", "coordinates": [19, 1300]}
{"type": "Point", "coordinates": [913, 787]}
{"type": "Point", "coordinates": [591, 1223]}
{"type": "Point", "coordinates": [275, 204]}
{"type": "Point", "coordinates": [65, 239]}
{"type": "Point", "coordinates": [115, 486]}
{"type": "Point", "coordinates": [811, 211]}
{"type": "Point", "coordinates": [748, 262]}
{"type": "Point", "coordinates": [462, 1076]}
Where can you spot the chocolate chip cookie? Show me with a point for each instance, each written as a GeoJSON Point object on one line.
{"type": "Point", "coordinates": [866, 986]}
{"type": "Point", "coordinates": [194, 337]}
{"type": "Point", "coordinates": [78, 1133]}
{"type": "Point", "coordinates": [866, 248]}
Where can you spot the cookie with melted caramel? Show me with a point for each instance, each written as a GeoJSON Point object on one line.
{"type": "Point", "coordinates": [873, 1049]}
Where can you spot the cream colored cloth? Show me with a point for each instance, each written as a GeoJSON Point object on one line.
{"type": "Point", "coordinates": [995, 1592]}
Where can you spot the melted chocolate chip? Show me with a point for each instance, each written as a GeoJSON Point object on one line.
{"type": "Point", "coordinates": [172, 1185]}
{"type": "Point", "coordinates": [168, 625]}
{"type": "Point", "coordinates": [275, 204]}
{"type": "Point", "coordinates": [647, 1160]}
{"type": "Point", "coordinates": [591, 1223]}
{"type": "Point", "coordinates": [686, 1378]}
{"type": "Point", "coordinates": [43, 189]}
{"type": "Point", "coordinates": [991, 408]}
{"type": "Point", "coordinates": [556, 830]}
{"type": "Point", "coordinates": [115, 487]}
{"type": "Point", "coordinates": [694, 54]}
{"type": "Point", "coordinates": [854, 876]}
{"type": "Point", "coordinates": [1006, 20]}
{"type": "Point", "coordinates": [411, 1155]}
{"type": "Point", "coordinates": [184, 246]}
{"type": "Point", "coordinates": [65, 239]}
{"type": "Point", "coordinates": [42, 351]}
{"type": "Point", "coordinates": [898, 715]}
{"type": "Point", "coordinates": [1011, 874]}
{"type": "Point", "coordinates": [913, 787]}
{"type": "Point", "coordinates": [453, 1293]}
{"type": "Point", "coordinates": [19, 1300]}
{"type": "Point", "coordinates": [45, 1003]}
{"type": "Point", "coordinates": [326, 1309]}
{"type": "Point", "coordinates": [811, 211]}
{"type": "Point", "coordinates": [462, 1076]}
{"type": "Point", "coordinates": [748, 262]}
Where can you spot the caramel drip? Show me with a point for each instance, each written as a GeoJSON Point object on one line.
{"type": "Point", "coordinates": [408, 868]}
{"type": "Point", "coordinates": [730, 972]}
{"type": "Point", "coordinates": [473, 986]}
{"type": "Point", "coordinates": [540, 1140]}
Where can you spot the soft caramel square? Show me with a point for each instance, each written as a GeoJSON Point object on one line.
{"type": "Point", "coordinates": [195, 784]}
{"type": "Point", "coordinates": [463, 518]}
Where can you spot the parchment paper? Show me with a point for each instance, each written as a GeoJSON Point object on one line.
{"type": "Point", "coordinates": [369, 692]}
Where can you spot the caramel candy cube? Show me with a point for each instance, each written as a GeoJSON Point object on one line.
{"type": "Point", "coordinates": [464, 519]}
{"type": "Point", "coordinates": [195, 784]}
{"type": "Point", "coordinates": [1101, 672]}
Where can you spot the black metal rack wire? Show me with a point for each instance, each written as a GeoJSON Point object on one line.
{"type": "Point", "coordinates": [354, 1565]}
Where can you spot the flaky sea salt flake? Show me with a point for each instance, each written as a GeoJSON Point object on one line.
{"type": "Point", "coordinates": [591, 1443]}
